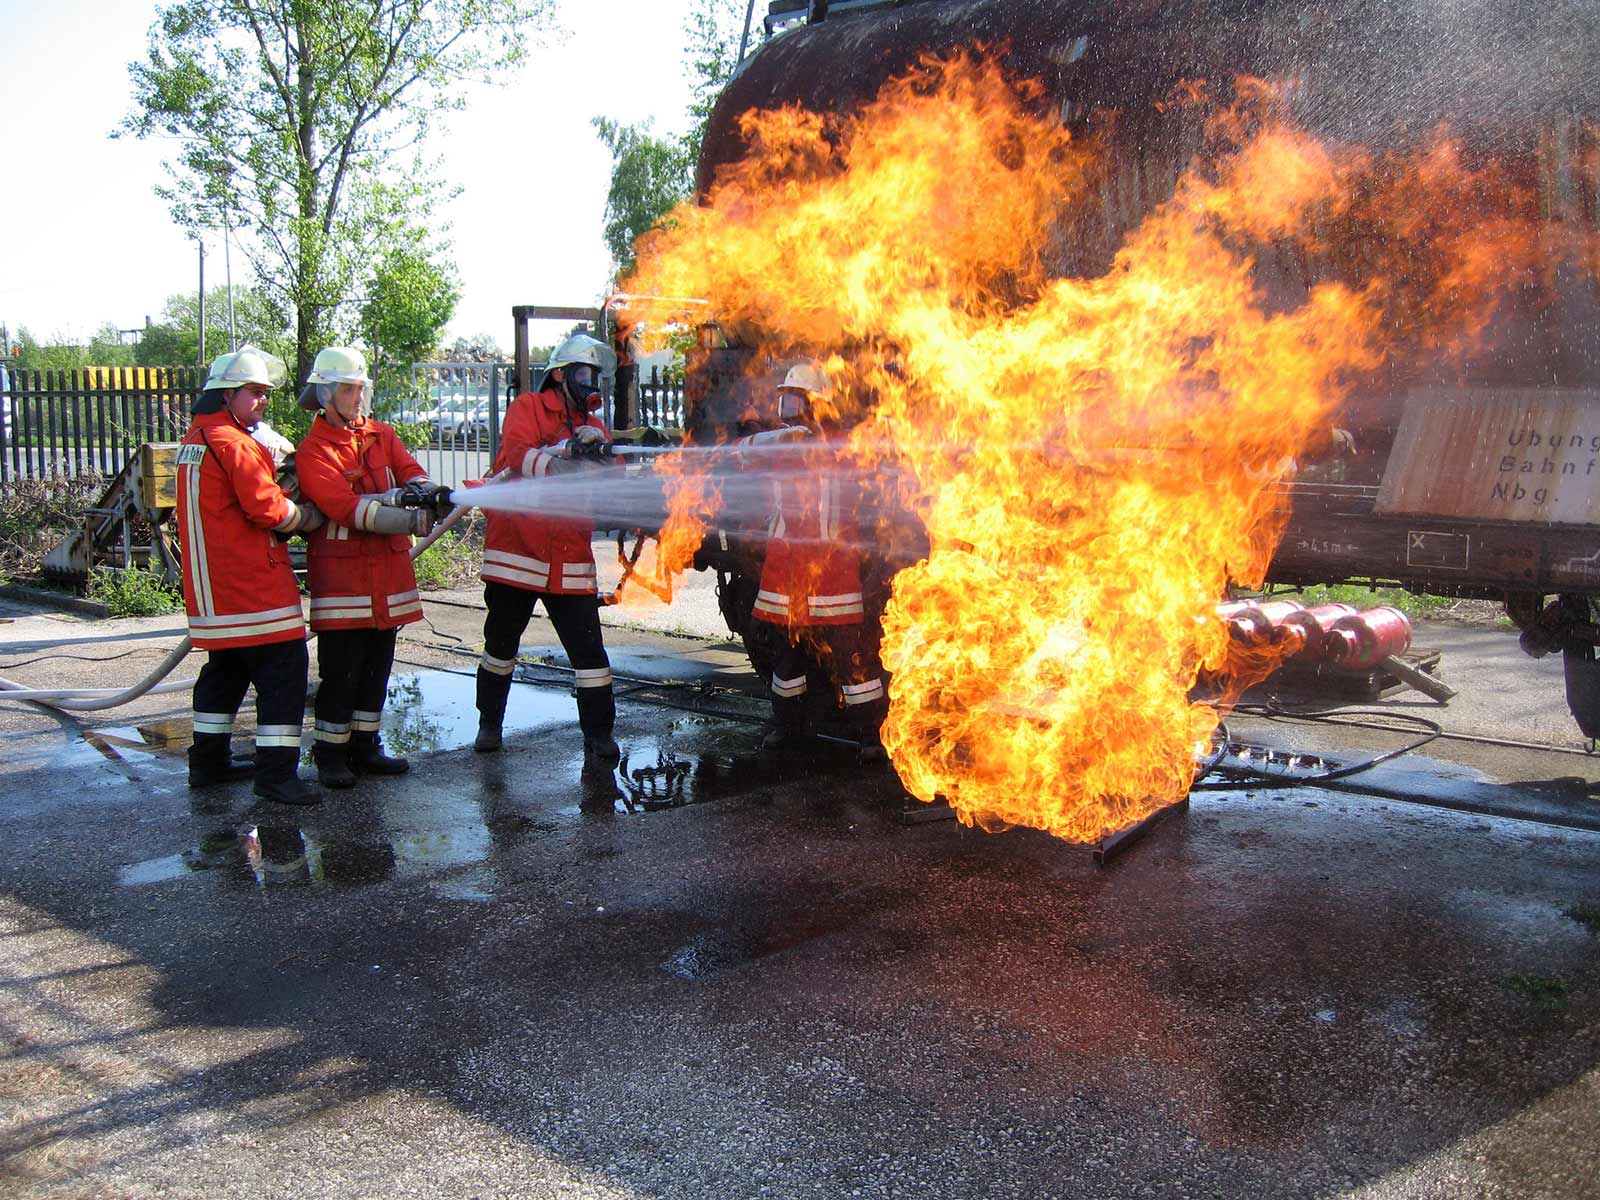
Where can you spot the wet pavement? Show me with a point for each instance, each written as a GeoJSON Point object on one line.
{"type": "Point", "coordinates": [699, 973]}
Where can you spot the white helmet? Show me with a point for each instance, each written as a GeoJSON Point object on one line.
{"type": "Point", "coordinates": [803, 381]}
{"type": "Point", "coordinates": [806, 377]}
{"type": "Point", "coordinates": [331, 367]}
{"type": "Point", "coordinates": [248, 364]}
{"type": "Point", "coordinates": [338, 364]}
{"type": "Point", "coordinates": [580, 348]}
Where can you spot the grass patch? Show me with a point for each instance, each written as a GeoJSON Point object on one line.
{"type": "Point", "coordinates": [1412, 605]}
{"type": "Point", "coordinates": [1586, 912]}
{"type": "Point", "coordinates": [1543, 990]}
{"type": "Point", "coordinates": [452, 561]}
{"type": "Point", "coordinates": [133, 592]}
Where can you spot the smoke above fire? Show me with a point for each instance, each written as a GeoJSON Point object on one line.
{"type": "Point", "coordinates": [1088, 417]}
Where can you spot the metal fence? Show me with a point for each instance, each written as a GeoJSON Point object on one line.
{"type": "Point", "coordinates": [661, 399]}
{"type": "Point", "coordinates": [56, 424]}
{"type": "Point", "coordinates": [456, 409]}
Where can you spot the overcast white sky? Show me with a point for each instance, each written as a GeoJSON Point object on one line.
{"type": "Point", "coordinates": [86, 241]}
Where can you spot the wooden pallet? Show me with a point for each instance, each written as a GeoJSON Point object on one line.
{"type": "Point", "coordinates": [1320, 682]}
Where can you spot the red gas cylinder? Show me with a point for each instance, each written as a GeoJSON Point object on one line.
{"type": "Point", "coordinates": [1365, 639]}
{"type": "Point", "coordinates": [1258, 623]}
{"type": "Point", "coordinates": [1312, 625]}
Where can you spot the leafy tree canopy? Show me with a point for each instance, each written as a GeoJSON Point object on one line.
{"type": "Point", "coordinates": [650, 174]}
{"type": "Point", "coordinates": [174, 340]}
{"type": "Point", "coordinates": [298, 125]}
{"type": "Point", "coordinates": [105, 349]}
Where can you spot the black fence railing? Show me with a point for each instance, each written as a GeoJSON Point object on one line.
{"type": "Point", "coordinates": [91, 420]}
{"type": "Point", "coordinates": [661, 398]}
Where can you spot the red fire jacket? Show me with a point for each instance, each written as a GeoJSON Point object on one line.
{"type": "Point", "coordinates": [540, 554]}
{"type": "Point", "coordinates": [812, 572]}
{"type": "Point", "coordinates": [238, 586]}
{"type": "Point", "coordinates": [358, 579]}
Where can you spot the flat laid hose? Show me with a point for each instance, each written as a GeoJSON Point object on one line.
{"type": "Point", "coordinates": [95, 699]}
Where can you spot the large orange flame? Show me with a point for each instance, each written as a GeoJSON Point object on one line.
{"type": "Point", "coordinates": [1091, 456]}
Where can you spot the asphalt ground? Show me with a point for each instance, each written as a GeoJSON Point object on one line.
{"type": "Point", "coordinates": [706, 974]}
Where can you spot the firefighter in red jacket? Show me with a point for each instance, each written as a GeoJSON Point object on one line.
{"type": "Point", "coordinates": [527, 559]}
{"type": "Point", "coordinates": [238, 587]}
{"type": "Point", "coordinates": [810, 588]}
{"type": "Point", "coordinates": [363, 587]}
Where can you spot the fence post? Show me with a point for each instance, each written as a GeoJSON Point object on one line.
{"type": "Point", "coordinates": [494, 414]}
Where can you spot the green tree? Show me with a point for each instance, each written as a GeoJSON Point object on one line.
{"type": "Point", "coordinates": [409, 301]}
{"type": "Point", "coordinates": [107, 349]}
{"type": "Point", "coordinates": [55, 355]}
{"type": "Point", "coordinates": [652, 175]}
{"type": "Point", "coordinates": [297, 123]}
{"type": "Point", "coordinates": [174, 340]}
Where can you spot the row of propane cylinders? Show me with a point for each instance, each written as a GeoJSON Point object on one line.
{"type": "Point", "coordinates": [1337, 634]}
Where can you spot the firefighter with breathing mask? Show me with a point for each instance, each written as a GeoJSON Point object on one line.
{"type": "Point", "coordinates": [363, 588]}
{"type": "Point", "coordinates": [239, 589]}
{"type": "Point", "coordinates": [529, 559]}
{"type": "Point", "coordinates": [810, 590]}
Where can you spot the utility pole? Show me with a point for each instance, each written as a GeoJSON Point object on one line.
{"type": "Point", "coordinates": [202, 246]}
{"type": "Point", "coordinates": [227, 264]}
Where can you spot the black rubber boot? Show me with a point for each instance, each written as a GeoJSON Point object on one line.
{"type": "Point", "coordinates": [492, 692]}
{"type": "Point", "coordinates": [211, 762]}
{"type": "Point", "coordinates": [788, 731]}
{"type": "Point", "coordinates": [601, 747]}
{"type": "Point", "coordinates": [276, 779]}
{"type": "Point", "coordinates": [597, 716]}
{"type": "Point", "coordinates": [333, 764]}
{"type": "Point", "coordinates": [367, 756]}
{"type": "Point", "coordinates": [868, 720]}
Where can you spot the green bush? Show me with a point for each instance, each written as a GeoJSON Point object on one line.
{"type": "Point", "coordinates": [133, 592]}
{"type": "Point", "coordinates": [450, 562]}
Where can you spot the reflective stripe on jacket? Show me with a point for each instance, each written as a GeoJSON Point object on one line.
{"type": "Point", "coordinates": [238, 586]}
{"type": "Point", "coordinates": [357, 579]}
{"type": "Point", "coordinates": [539, 554]}
{"type": "Point", "coordinates": [812, 571]}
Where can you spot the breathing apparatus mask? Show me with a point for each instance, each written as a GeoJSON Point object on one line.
{"type": "Point", "coordinates": [580, 382]}
{"type": "Point", "coordinates": [793, 406]}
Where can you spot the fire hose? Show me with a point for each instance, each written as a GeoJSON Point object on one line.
{"type": "Point", "coordinates": [96, 699]}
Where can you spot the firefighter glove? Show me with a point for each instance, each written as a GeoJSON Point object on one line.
{"type": "Point", "coordinates": [311, 518]}
{"type": "Point", "coordinates": [398, 520]}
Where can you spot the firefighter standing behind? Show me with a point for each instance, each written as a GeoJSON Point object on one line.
{"type": "Point", "coordinates": [810, 586]}
{"type": "Point", "coordinates": [238, 586]}
{"type": "Point", "coordinates": [529, 558]}
{"type": "Point", "coordinates": [359, 572]}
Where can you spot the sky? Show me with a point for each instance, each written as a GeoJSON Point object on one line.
{"type": "Point", "coordinates": [86, 240]}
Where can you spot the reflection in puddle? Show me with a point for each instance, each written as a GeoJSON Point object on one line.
{"type": "Point", "coordinates": [276, 855]}
{"type": "Point", "coordinates": [644, 783]}
{"type": "Point", "coordinates": [437, 710]}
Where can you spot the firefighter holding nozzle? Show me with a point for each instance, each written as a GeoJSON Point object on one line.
{"type": "Point", "coordinates": [239, 588]}
{"type": "Point", "coordinates": [529, 559]}
{"type": "Point", "coordinates": [810, 590]}
{"type": "Point", "coordinates": [363, 588]}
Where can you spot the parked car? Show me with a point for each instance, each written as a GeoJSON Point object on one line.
{"type": "Point", "coordinates": [466, 425]}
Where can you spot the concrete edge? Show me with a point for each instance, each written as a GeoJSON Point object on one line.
{"type": "Point", "coordinates": [45, 598]}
